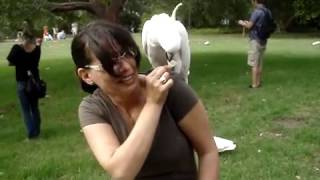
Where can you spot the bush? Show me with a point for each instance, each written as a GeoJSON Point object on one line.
{"type": "Point", "coordinates": [131, 20]}
{"type": "Point", "coordinates": [1, 36]}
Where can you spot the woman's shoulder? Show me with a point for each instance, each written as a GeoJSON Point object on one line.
{"type": "Point", "coordinates": [178, 83]}
{"type": "Point", "coordinates": [96, 102]}
{"type": "Point", "coordinates": [181, 98]}
{"type": "Point", "coordinates": [92, 99]}
{"type": "Point", "coordinates": [17, 47]}
{"type": "Point", "coordinates": [93, 109]}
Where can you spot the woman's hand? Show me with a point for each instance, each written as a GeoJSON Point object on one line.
{"type": "Point", "coordinates": [38, 41]}
{"type": "Point", "coordinates": [158, 83]}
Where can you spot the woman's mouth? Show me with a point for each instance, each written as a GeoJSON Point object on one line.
{"type": "Point", "coordinates": [126, 79]}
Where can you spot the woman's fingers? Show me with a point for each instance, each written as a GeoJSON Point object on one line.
{"type": "Point", "coordinates": [167, 84]}
{"type": "Point", "coordinates": [158, 84]}
{"type": "Point", "coordinates": [158, 71]}
{"type": "Point", "coordinates": [164, 77]}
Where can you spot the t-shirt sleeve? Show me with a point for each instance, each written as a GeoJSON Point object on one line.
{"type": "Point", "coordinates": [91, 112]}
{"type": "Point", "coordinates": [13, 55]}
{"type": "Point", "coordinates": [255, 16]}
{"type": "Point", "coordinates": [181, 99]}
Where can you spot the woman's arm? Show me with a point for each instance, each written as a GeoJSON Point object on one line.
{"type": "Point", "coordinates": [37, 54]}
{"type": "Point", "coordinates": [38, 48]}
{"type": "Point", "coordinates": [124, 161]}
{"type": "Point", "coordinates": [196, 127]}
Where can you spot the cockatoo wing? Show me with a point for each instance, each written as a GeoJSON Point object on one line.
{"type": "Point", "coordinates": [144, 39]}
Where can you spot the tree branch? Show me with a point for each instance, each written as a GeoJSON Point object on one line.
{"type": "Point", "coordinates": [95, 7]}
{"type": "Point", "coordinates": [71, 6]}
{"type": "Point", "coordinates": [114, 10]}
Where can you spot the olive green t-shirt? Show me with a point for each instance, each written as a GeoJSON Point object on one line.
{"type": "Point", "coordinates": [171, 155]}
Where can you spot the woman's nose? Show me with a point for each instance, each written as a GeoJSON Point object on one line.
{"type": "Point", "coordinates": [122, 66]}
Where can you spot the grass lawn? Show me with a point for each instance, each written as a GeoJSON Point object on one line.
{"type": "Point", "coordinates": [276, 128]}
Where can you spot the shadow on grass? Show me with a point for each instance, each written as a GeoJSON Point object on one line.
{"type": "Point", "coordinates": [222, 67]}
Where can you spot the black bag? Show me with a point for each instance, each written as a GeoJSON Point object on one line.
{"type": "Point", "coordinates": [268, 26]}
{"type": "Point", "coordinates": [35, 88]}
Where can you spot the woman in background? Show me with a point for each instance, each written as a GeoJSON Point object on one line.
{"type": "Point", "coordinates": [25, 57]}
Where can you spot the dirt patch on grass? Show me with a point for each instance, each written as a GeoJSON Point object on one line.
{"type": "Point", "coordinates": [7, 108]}
{"type": "Point", "coordinates": [290, 122]}
{"type": "Point", "coordinates": [273, 135]}
{"type": "Point", "coordinates": [2, 111]}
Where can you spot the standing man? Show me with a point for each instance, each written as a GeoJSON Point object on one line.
{"type": "Point", "coordinates": [55, 32]}
{"type": "Point", "coordinates": [74, 28]}
{"type": "Point", "coordinates": [258, 36]}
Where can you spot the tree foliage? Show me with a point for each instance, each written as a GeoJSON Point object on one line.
{"type": "Point", "coordinates": [14, 13]}
{"type": "Point", "coordinates": [44, 12]}
{"type": "Point", "coordinates": [132, 13]}
{"type": "Point", "coordinates": [308, 10]}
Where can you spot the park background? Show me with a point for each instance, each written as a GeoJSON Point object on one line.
{"type": "Point", "coordinates": [276, 128]}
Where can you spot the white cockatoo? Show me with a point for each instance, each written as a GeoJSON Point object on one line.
{"type": "Point", "coordinates": [165, 41]}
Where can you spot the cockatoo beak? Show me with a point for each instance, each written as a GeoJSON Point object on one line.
{"type": "Point", "coordinates": [171, 62]}
{"type": "Point", "coordinates": [169, 56]}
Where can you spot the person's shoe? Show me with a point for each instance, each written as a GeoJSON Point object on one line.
{"type": "Point", "coordinates": [34, 137]}
{"type": "Point", "coordinates": [251, 86]}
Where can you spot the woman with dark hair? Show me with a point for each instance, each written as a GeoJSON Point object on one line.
{"type": "Point", "coordinates": [139, 126]}
{"type": "Point", "coordinates": [25, 57]}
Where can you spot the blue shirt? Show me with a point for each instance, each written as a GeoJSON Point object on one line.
{"type": "Point", "coordinates": [257, 18]}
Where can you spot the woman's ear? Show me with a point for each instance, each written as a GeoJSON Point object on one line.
{"type": "Point", "coordinates": [85, 76]}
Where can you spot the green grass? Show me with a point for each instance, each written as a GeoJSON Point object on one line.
{"type": "Point", "coordinates": [276, 128]}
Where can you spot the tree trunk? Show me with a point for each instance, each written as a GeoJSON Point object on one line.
{"type": "Point", "coordinates": [288, 22]}
{"type": "Point", "coordinates": [114, 10]}
{"type": "Point", "coordinates": [101, 10]}
{"type": "Point", "coordinates": [284, 23]}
